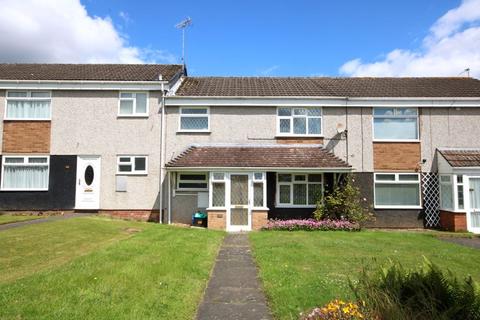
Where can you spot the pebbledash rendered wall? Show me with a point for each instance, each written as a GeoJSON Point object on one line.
{"type": "Point", "coordinates": [87, 123]}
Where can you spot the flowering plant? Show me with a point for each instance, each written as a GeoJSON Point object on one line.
{"type": "Point", "coordinates": [311, 225]}
{"type": "Point", "coordinates": [336, 309]}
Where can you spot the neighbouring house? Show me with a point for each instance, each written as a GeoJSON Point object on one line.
{"type": "Point", "coordinates": [149, 142]}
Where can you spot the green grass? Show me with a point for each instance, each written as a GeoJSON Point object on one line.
{"type": "Point", "coordinates": [301, 270]}
{"type": "Point", "coordinates": [9, 218]}
{"type": "Point", "coordinates": [93, 268]}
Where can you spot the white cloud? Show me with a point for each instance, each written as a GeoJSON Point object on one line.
{"type": "Point", "coordinates": [269, 70]}
{"type": "Point", "coordinates": [452, 45]}
{"type": "Point", "coordinates": [63, 31]}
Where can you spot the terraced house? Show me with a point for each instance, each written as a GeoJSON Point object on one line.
{"type": "Point", "coordinates": [147, 141]}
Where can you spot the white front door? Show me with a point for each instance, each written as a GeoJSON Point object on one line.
{"type": "Point", "coordinates": [87, 195]}
{"type": "Point", "coordinates": [473, 214]}
{"type": "Point", "coordinates": [239, 217]}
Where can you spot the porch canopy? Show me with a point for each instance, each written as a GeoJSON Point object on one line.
{"type": "Point", "coordinates": [273, 157]}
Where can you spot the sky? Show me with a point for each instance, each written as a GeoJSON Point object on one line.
{"type": "Point", "coordinates": [251, 38]}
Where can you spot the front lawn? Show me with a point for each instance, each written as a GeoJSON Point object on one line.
{"type": "Point", "coordinates": [302, 269]}
{"type": "Point", "coordinates": [93, 268]}
{"type": "Point", "coordinates": [10, 218]}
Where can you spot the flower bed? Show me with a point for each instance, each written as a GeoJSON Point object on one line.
{"type": "Point", "coordinates": [311, 225]}
{"type": "Point", "coordinates": [338, 310]}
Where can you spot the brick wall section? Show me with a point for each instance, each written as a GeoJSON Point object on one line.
{"type": "Point", "coordinates": [453, 221]}
{"type": "Point", "coordinates": [396, 155]}
{"type": "Point", "coordinates": [137, 215]}
{"type": "Point", "coordinates": [295, 140]}
{"type": "Point", "coordinates": [259, 219]}
{"type": "Point", "coordinates": [217, 219]}
{"type": "Point", "coordinates": [26, 136]}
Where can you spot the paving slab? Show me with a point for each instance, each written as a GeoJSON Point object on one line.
{"type": "Point", "coordinates": [234, 291]}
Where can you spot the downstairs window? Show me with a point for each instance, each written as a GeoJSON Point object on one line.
{"type": "Point", "coordinates": [299, 189]}
{"type": "Point", "coordinates": [25, 173]}
{"type": "Point", "coordinates": [397, 190]}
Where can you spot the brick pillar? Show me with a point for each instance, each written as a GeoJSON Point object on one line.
{"type": "Point", "coordinates": [217, 219]}
{"type": "Point", "coordinates": [259, 219]}
{"type": "Point", "coordinates": [453, 221]}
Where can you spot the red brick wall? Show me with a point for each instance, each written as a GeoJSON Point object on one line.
{"type": "Point", "coordinates": [217, 219]}
{"type": "Point", "coordinates": [26, 136]}
{"type": "Point", "coordinates": [396, 155]}
{"type": "Point", "coordinates": [138, 215]}
{"type": "Point", "coordinates": [259, 219]}
{"type": "Point", "coordinates": [453, 221]}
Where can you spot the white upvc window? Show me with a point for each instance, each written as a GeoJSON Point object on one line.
{"type": "Point", "coordinates": [395, 124]}
{"type": "Point", "coordinates": [194, 119]}
{"type": "Point", "coordinates": [299, 121]}
{"type": "Point", "coordinates": [192, 181]}
{"type": "Point", "coordinates": [299, 189]}
{"type": "Point", "coordinates": [25, 173]}
{"type": "Point", "coordinates": [133, 104]}
{"type": "Point", "coordinates": [451, 192]}
{"type": "Point", "coordinates": [259, 183]}
{"type": "Point", "coordinates": [132, 165]}
{"type": "Point", "coordinates": [217, 195]}
{"type": "Point", "coordinates": [28, 105]}
{"type": "Point", "coordinates": [397, 190]}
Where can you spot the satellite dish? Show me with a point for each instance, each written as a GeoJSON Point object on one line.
{"type": "Point", "coordinates": [340, 128]}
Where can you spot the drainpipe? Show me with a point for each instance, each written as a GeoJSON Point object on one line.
{"type": "Point", "coordinates": [162, 155]}
{"type": "Point", "coordinates": [169, 175]}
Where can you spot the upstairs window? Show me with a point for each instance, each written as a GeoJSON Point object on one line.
{"type": "Point", "coordinates": [25, 173]}
{"type": "Point", "coordinates": [395, 123]}
{"type": "Point", "coordinates": [194, 119]}
{"type": "Point", "coordinates": [299, 121]}
{"type": "Point", "coordinates": [133, 104]}
{"type": "Point", "coordinates": [28, 105]}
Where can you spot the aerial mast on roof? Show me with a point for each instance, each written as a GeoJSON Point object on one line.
{"type": "Point", "coordinates": [183, 25]}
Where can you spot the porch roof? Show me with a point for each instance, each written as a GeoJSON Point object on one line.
{"type": "Point", "coordinates": [461, 158]}
{"type": "Point", "coordinates": [271, 156]}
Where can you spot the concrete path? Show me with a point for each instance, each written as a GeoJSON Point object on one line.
{"type": "Point", "coordinates": [41, 220]}
{"type": "Point", "coordinates": [468, 242]}
{"type": "Point", "coordinates": [234, 291]}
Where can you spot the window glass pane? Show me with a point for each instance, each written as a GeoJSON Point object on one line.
{"type": "Point", "coordinates": [314, 112]}
{"type": "Point", "coordinates": [285, 125]}
{"type": "Point", "coordinates": [128, 95]}
{"type": "Point", "coordinates": [284, 111]}
{"type": "Point", "coordinates": [194, 110]}
{"type": "Point", "coordinates": [194, 123]}
{"type": "Point", "coordinates": [125, 168]}
{"type": "Point", "coordinates": [314, 193]}
{"type": "Point", "coordinates": [218, 176]}
{"type": "Point", "coordinates": [25, 177]}
{"type": "Point", "coordinates": [284, 196]}
{"type": "Point", "coordinates": [258, 194]}
{"type": "Point", "coordinates": [140, 164]}
{"type": "Point", "coordinates": [28, 109]}
{"type": "Point", "coordinates": [299, 194]}
{"type": "Point", "coordinates": [17, 94]}
{"type": "Point", "coordinates": [141, 103]}
{"type": "Point", "coordinates": [300, 112]}
{"type": "Point", "coordinates": [125, 159]}
{"type": "Point", "coordinates": [284, 177]}
{"type": "Point", "coordinates": [315, 178]}
{"type": "Point", "coordinates": [397, 194]}
{"type": "Point", "coordinates": [460, 197]}
{"type": "Point", "coordinates": [408, 177]}
{"type": "Point", "coordinates": [459, 179]}
{"type": "Point", "coordinates": [406, 111]}
{"type": "Point", "coordinates": [299, 125]}
{"type": "Point", "coordinates": [200, 177]}
{"type": "Point", "coordinates": [385, 177]}
{"type": "Point", "coordinates": [37, 160]}
{"type": "Point", "coordinates": [258, 176]}
{"type": "Point", "coordinates": [218, 194]}
{"type": "Point", "coordinates": [314, 125]}
{"type": "Point", "coordinates": [393, 128]}
{"type": "Point", "coordinates": [383, 111]}
{"type": "Point", "coordinates": [192, 185]}
{"type": "Point", "coordinates": [446, 197]}
{"type": "Point", "coordinates": [14, 160]}
{"type": "Point", "coordinates": [126, 106]}
{"type": "Point", "coordinates": [445, 178]}
{"type": "Point", "coordinates": [40, 94]}
{"type": "Point", "coordinates": [300, 177]}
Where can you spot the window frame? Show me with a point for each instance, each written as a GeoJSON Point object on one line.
{"type": "Point", "coordinates": [397, 181]}
{"type": "Point", "coordinates": [196, 115]}
{"type": "Point", "coordinates": [292, 116]}
{"type": "Point", "coordinates": [134, 99]}
{"type": "Point", "coordinates": [454, 192]}
{"type": "Point", "coordinates": [262, 181]}
{"type": "Point", "coordinates": [213, 180]}
{"type": "Point", "coordinates": [25, 164]}
{"type": "Point", "coordinates": [28, 98]}
{"type": "Point", "coordinates": [179, 180]}
{"type": "Point", "coordinates": [291, 183]}
{"type": "Point", "coordinates": [416, 116]}
{"type": "Point", "coordinates": [132, 163]}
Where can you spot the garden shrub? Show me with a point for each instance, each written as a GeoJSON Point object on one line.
{"type": "Point", "coordinates": [344, 202]}
{"type": "Point", "coordinates": [426, 293]}
{"type": "Point", "coordinates": [311, 225]}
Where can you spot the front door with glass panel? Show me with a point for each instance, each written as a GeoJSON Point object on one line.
{"type": "Point", "coordinates": [473, 215]}
{"type": "Point", "coordinates": [88, 183]}
{"type": "Point", "coordinates": [239, 213]}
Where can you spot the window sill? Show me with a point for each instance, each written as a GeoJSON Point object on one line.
{"type": "Point", "coordinates": [194, 131]}
{"type": "Point", "coordinates": [24, 190]}
{"type": "Point", "coordinates": [131, 174]}
{"type": "Point", "coordinates": [292, 206]}
{"type": "Point", "coordinates": [199, 190]}
{"type": "Point", "coordinates": [397, 140]}
{"type": "Point", "coordinates": [216, 209]}
{"type": "Point", "coordinates": [139, 116]}
{"type": "Point", "coordinates": [26, 119]}
{"type": "Point", "coordinates": [399, 207]}
{"type": "Point", "coordinates": [260, 209]}
{"type": "Point", "coordinates": [305, 136]}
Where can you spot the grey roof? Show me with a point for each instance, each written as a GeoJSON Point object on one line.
{"type": "Point", "coordinates": [89, 72]}
{"type": "Point", "coordinates": [326, 87]}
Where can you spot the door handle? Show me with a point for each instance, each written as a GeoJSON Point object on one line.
{"type": "Point", "coordinates": [78, 181]}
